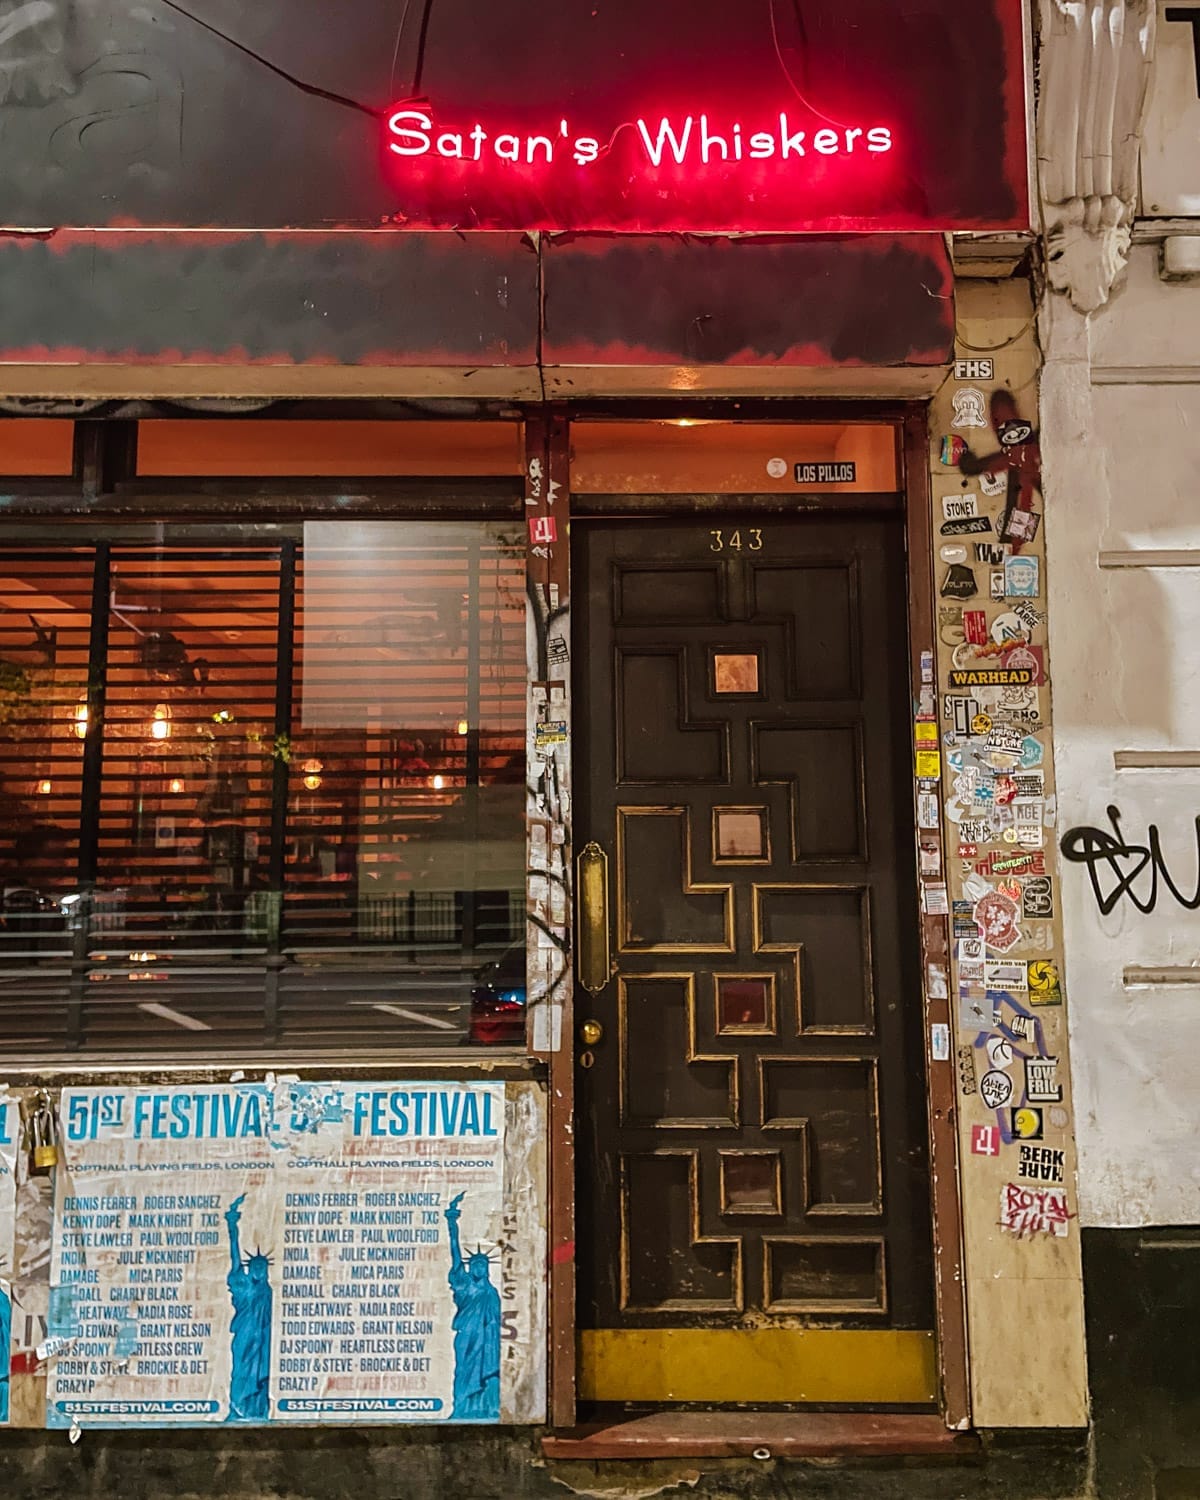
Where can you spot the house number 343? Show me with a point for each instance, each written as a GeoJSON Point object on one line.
{"type": "Point", "coordinates": [735, 541]}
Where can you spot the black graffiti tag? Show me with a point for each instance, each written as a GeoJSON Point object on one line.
{"type": "Point", "coordinates": [1126, 863]}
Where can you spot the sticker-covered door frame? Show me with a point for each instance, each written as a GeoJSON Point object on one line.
{"type": "Point", "coordinates": [550, 909]}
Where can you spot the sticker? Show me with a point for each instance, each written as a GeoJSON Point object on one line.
{"type": "Point", "coordinates": [973, 369]}
{"type": "Point", "coordinates": [992, 553]}
{"type": "Point", "coordinates": [1021, 577]}
{"type": "Point", "coordinates": [1041, 1080]}
{"type": "Point", "coordinates": [985, 1140]}
{"type": "Point", "coordinates": [925, 731]}
{"type": "Point", "coordinates": [1045, 987]}
{"type": "Point", "coordinates": [993, 485]}
{"type": "Point", "coordinates": [1029, 1211]}
{"type": "Point", "coordinates": [976, 888]}
{"type": "Point", "coordinates": [929, 765]}
{"type": "Point", "coordinates": [1059, 1117]}
{"type": "Point", "coordinates": [971, 527]}
{"type": "Point", "coordinates": [927, 810]}
{"type": "Point", "coordinates": [1029, 658]}
{"type": "Point", "coordinates": [543, 529]}
{"type": "Point", "coordinates": [1032, 752]}
{"type": "Point", "coordinates": [1030, 617]}
{"type": "Point", "coordinates": [939, 1048]}
{"type": "Point", "coordinates": [995, 1089]}
{"type": "Point", "coordinates": [1037, 898]}
{"type": "Point", "coordinates": [1025, 1123]}
{"type": "Point", "coordinates": [997, 918]}
{"type": "Point", "coordinates": [950, 615]}
{"type": "Point", "coordinates": [938, 986]}
{"type": "Point", "coordinates": [996, 584]}
{"type": "Point", "coordinates": [975, 830]}
{"type": "Point", "coordinates": [959, 583]}
{"type": "Point", "coordinates": [1021, 1027]}
{"type": "Point", "coordinates": [999, 1051]}
{"type": "Point", "coordinates": [551, 732]}
{"type": "Point", "coordinates": [1003, 747]}
{"type": "Point", "coordinates": [966, 1068]}
{"type": "Point", "coordinates": [929, 857]}
{"type": "Point", "coordinates": [953, 449]}
{"type": "Point", "coordinates": [991, 677]}
{"type": "Point", "coordinates": [970, 409]}
{"type": "Point", "coordinates": [1021, 527]}
{"type": "Point", "coordinates": [1042, 1164]}
{"type": "Point", "coordinates": [975, 629]}
{"type": "Point", "coordinates": [960, 507]}
{"type": "Point", "coordinates": [969, 952]}
{"type": "Point", "coordinates": [1007, 628]}
{"type": "Point", "coordinates": [1003, 975]}
{"type": "Point", "coordinates": [825, 473]}
{"type": "Point", "coordinates": [981, 724]}
{"type": "Point", "coordinates": [777, 467]}
{"type": "Point", "coordinates": [999, 862]}
{"type": "Point", "coordinates": [953, 554]}
{"type": "Point", "coordinates": [933, 898]}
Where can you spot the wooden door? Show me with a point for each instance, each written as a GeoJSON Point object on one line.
{"type": "Point", "coordinates": [753, 1197]}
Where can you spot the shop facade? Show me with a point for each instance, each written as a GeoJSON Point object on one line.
{"type": "Point", "coordinates": [531, 889]}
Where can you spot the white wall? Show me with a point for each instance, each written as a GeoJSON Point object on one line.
{"type": "Point", "coordinates": [1121, 444]}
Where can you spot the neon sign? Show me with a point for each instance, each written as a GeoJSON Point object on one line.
{"type": "Point", "coordinates": [684, 139]}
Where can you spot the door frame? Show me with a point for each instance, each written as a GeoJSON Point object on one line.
{"type": "Point", "coordinates": [547, 439]}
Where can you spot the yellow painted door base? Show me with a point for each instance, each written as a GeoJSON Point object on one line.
{"type": "Point", "coordinates": [720, 1366]}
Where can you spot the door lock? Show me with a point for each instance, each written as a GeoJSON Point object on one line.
{"type": "Point", "coordinates": [590, 1033]}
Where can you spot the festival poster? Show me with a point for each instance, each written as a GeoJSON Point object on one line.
{"type": "Point", "coordinates": [310, 1253]}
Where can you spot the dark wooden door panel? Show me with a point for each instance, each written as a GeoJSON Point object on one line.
{"type": "Point", "coordinates": [752, 1140]}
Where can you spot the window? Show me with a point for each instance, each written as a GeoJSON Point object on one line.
{"type": "Point", "coordinates": [263, 786]}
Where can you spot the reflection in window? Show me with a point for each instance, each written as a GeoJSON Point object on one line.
{"type": "Point", "coordinates": [292, 806]}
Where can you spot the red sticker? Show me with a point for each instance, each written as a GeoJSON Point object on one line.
{"type": "Point", "coordinates": [975, 627]}
{"type": "Point", "coordinates": [996, 916]}
{"type": "Point", "coordinates": [985, 1140]}
{"type": "Point", "coordinates": [543, 529]}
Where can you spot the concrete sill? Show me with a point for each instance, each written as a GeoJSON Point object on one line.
{"type": "Point", "coordinates": [747, 1434]}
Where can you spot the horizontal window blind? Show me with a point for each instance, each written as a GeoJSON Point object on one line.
{"type": "Point", "coordinates": [263, 793]}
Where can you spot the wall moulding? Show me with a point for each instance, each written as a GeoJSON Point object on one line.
{"type": "Point", "coordinates": [1096, 58]}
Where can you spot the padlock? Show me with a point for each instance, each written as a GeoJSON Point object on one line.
{"type": "Point", "coordinates": [42, 1137]}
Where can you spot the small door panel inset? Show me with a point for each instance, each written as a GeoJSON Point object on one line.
{"type": "Point", "coordinates": [741, 836]}
{"type": "Point", "coordinates": [746, 1004]}
{"type": "Point", "coordinates": [735, 672]}
{"type": "Point", "coordinates": [751, 1183]}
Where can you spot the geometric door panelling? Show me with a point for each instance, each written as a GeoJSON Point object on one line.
{"type": "Point", "coordinates": [751, 1123]}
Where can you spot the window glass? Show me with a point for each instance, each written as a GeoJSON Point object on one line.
{"type": "Point", "coordinates": [291, 810]}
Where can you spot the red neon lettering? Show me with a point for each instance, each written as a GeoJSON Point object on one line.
{"type": "Point", "coordinates": [666, 135]}
{"type": "Point", "coordinates": [683, 140]}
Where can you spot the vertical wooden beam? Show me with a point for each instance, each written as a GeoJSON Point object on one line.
{"type": "Point", "coordinates": [949, 1287]}
{"type": "Point", "coordinates": [549, 864]}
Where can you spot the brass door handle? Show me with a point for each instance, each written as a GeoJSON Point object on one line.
{"type": "Point", "coordinates": [590, 1032]}
{"type": "Point", "coordinates": [594, 967]}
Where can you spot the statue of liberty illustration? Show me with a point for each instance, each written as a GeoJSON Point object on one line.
{"type": "Point", "coordinates": [5, 1344]}
{"type": "Point", "coordinates": [476, 1329]}
{"type": "Point", "coordinates": [250, 1289]}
